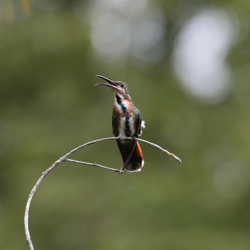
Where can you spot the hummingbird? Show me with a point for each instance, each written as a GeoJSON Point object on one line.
{"type": "Point", "coordinates": [126, 122]}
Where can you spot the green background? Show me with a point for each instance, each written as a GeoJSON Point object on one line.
{"type": "Point", "coordinates": [49, 105]}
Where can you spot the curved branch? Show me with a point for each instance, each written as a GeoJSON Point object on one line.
{"type": "Point", "coordinates": [173, 156]}
{"type": "Point", "coordinates": [65, 158]}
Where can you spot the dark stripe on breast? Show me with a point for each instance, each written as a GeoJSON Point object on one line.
{"type": "Point", "coordinates": [125, 113]}
{"type": "Point", "coordinates": [128, 132]}
{"type": "Point", "coordinates": [119, 102]}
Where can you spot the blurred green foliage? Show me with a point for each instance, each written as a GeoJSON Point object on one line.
{"type": "Point", "coordinates": [49, 105]}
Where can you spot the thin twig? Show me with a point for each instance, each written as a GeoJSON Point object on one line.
{"type": "Point", "coordinates": [173, 156]}
{"type": "Point", "coordinates": [26, 214]}
{"type": "Point", "coordinates": [94, 164]}
{"type": "Point", "coordinates": [65, 158]}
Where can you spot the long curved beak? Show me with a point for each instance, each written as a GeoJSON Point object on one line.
{"type": "Point", "coordinates": [110, 83]}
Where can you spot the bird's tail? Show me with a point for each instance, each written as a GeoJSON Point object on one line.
{"type": "Point", "coordinates": [132, 161]}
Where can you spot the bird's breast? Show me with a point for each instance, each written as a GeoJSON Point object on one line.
{"type": "Point", "coordinates": [127, 126]}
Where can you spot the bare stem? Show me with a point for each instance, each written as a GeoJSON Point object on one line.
{"type": "Point", "coordinates": [94, 164]}
{"type": "Point", "coordinates": [65, 158]}
{"type": "Point", "coordinates": [173, 156]}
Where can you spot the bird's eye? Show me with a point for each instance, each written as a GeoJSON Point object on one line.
{"type": "Point", "coordinates": [122, 85]}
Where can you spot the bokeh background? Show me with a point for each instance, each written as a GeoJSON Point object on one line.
{"type": "Point", "coordinates": [187, 65]}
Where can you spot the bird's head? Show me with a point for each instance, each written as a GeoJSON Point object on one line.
{"type": "Point", "coordinates": [117, 86]}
